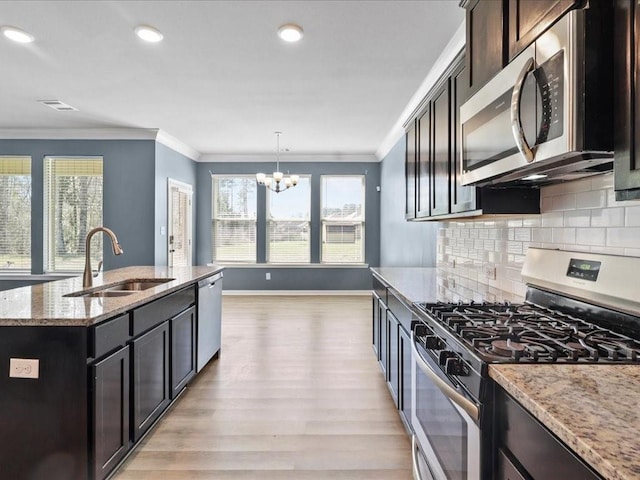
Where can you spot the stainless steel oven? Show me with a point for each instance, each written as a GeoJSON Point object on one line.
{"type": "Point", "coordinates": [446, 443]}
{"type": "Point", "coordinates": [545, 113]}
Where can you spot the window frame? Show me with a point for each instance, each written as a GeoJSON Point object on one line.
{"type": "Point", "coordinates": [214, 186]}
{"type": "Point", "coordinates": [324, 222]}
{"type": "Point", "coordinates": [22, 162]}
{"type": "Point", "coordinates": [269, 220]}
{"type": "Point", "coordinates": [49, 212]}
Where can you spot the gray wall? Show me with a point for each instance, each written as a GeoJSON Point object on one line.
{"type": "Point", "coordinates": [402, 243]}
{"type": "Point", "coordinates": [170, 164]}
{"type": "Point", "coordinates": [298, 278]}
{"type": "Point", "coordinates": [128, 193]}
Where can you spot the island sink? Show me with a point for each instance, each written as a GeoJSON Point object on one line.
{"type": "Point", "coordinates": [119, 289]}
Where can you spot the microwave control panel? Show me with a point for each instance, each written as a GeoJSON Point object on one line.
{"type": "Point", "coordinates": [550, 79]}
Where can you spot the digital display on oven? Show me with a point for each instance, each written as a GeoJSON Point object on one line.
{"type": "Point", "coordinates": [584, 269]}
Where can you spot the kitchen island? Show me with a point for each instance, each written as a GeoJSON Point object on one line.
{"type": "Point", "coordinates": [89, 372]}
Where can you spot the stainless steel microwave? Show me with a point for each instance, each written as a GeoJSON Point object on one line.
{"type": "Point", "coordinates": [548, 114]}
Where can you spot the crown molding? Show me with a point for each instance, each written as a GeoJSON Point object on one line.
{"type": "Point", "coordinates": [288, 158]}
{"type": "Point", "coordinates": [453, 48]}
{"type": "Point", "coordinates": [79, 134]}
{"type": "Point", "coordinates": [174, 144]}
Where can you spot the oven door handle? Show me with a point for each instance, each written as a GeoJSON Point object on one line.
{"type": "Point", "coordinates": [516, 122]}
{"type": "Point", "coordinates": [417, 474]}
{"type": "Point", "coordinates": [451, 393]}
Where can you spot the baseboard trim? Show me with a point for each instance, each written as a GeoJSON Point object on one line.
{"type": "Point", "coordinates": [296, 292]}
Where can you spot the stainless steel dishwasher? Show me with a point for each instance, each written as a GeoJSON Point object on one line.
{"type": "Point", "coordinates": [209, 318]}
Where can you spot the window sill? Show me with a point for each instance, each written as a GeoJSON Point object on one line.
{"type": "Point", "coordinates": [293, 265]}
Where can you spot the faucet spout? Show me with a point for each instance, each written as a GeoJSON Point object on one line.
{"type": "Point", "coordinates": [87, 277]}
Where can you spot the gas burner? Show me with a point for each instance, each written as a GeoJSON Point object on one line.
{"type": "Point", "coordinates": [507, 348]}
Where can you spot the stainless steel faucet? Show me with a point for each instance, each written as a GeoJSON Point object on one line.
{"type": "Point", "coordinates": [87, 277]}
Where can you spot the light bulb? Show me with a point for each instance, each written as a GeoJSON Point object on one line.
{"type": "Point", "coordinates": [260, 178]}
{"type": "Point", "coordinates": [294, 179]}
{"type": "Point", "coordinates": [17, 35]}
{"type": "Point", "coordinates": [287, 182]}
{"type": "Point", "coordinates": [290, 32]}
{"type": "Point", "coordinates": [149, 33]}
{"type": "Point", "coordinates": [277, 176]}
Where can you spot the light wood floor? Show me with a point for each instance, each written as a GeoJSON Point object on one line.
{"type": "Point", "coordinates": [296, 394]}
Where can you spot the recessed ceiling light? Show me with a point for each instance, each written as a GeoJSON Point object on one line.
{"type": "Point", "coordinates": [148, 33]}
{"type": "Point", "coordinates": [290, 32]}
{"type": "Point", "coordinates": [17, 35]}
{"type": "Point", "coordinates": [535, 176]}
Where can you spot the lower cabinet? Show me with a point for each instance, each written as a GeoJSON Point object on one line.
{"type": "Point", "coordinates": [375, 324]}
{"type": "Point", "coordinates": [404, 361]}
{"type": "Point", "coordinates": [383, 356]}
{"type": "Point", "coordinates": [183, 350]}
{"type": "Point", "coordinates": [110, 387]}
{"type": "Point", "coordinates": [150, 380]}
{"type": "Point", "coordinates": [393, 368]}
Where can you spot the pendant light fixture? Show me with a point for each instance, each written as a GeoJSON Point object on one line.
{"type": "Point", "coordinates": [277, 182]}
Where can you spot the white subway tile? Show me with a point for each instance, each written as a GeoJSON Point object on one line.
{"type": "Point", "coordinates": [575, 248]}
{"type": "Point", "coordinates": [608, 250]}
{"type": "Point", "coordinates": [577, 218]}
{"type": "Point", "coordinates": [607, 217]}
{"type": "Point", "coordinates": [594, 199]}
{"type": "Point", "coordinates": [532, 221]}
{"type": "Point", "coordinates": [564, 235]}
{"type": "Point", "coordinates": [553, 219]}
{"type": "Point", "coordinates": [541, 235]}
{"type": "Point", "coordinates": [522, 234]}
{"type": "Point", "coordinates": [632, 216]}
{"type": "Point", "coordinates": [632, 252]}
{"type": "Point", "coordinates": [546, 204]}
{"type": "Point", "coordinates": [563, 202]}
{"type": "Point", "coordinates": [583, 185]}
{"type": "Point", "coordinates": [514, 222]}
{"type": "Point", "coordinates": [514, 248]}
{"type": "Point", "coordinates": [623, 237]}
{"type": "Point", "coordinates": [591, 236]}
{"type": "Point", "coordinates": [602, 182]}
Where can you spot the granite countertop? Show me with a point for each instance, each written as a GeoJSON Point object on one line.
{"type": "Point", "coordinates": [415, 284]}
{"type": "Point", "coordinates": [592, 408]}
{"type": "Point", "coordinates": [45, 304]}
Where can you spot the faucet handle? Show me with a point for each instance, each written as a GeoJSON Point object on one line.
{"type": "Point", "coordinates": [99, 268]}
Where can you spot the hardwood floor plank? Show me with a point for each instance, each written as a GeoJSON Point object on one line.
{"type": "Point", "coordinates": [296, 394]}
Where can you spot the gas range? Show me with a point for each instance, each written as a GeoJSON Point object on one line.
{"type": "Point", "coordinates": [508, 333]}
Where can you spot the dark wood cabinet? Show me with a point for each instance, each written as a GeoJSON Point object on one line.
{"type": "Point", "coordinates": [441, 149]}
{"type": "Point", "coordinates": [110, 412]}
{"type": "Point", "coordinates": [440, 193]}
{"type": "Point", "coordinates": [410, 170]}
{"type": "Point", "coordinates": [393, 370]}
{"type": "Point", "coordinates": [404, 360]}
{"type": "Point", "coordinates": [424, 163]}
{"type": "Point", "coordinates": [485, 40]}
{"type": "Point", "coordinates": [529, 19]}
{"type": "Point", "coordinates": [183, 350]}
{"type": "Point", "coordinates": [525, 445]}
{"type": "Point", "coordinates": [627, 100]}
{"type": "Point", "coordinates": [150, 378]}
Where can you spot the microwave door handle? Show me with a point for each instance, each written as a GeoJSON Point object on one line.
{"type": "Point", "coordinates": [451, 393]}
{"type": "Point", "coordinates": [516, 122]}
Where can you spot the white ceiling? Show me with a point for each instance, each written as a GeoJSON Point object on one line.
{"type": "Point", "coordinates": [222, 81]}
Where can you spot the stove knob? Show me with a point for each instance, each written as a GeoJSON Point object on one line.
{"type": "Point", "coordinates": [444, 356]}
{"type": "Point", "coordinates": [454, 366]}
{"type": "Point", "coordinates": [433, 343]}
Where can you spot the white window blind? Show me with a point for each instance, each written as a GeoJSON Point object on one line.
{"type": "Point", "coordinates": [15, 213]}
{"type": "Point", "coordinates": [234, 213]}
{"type": "Point", "coordinates": [342, 217]}
{"type": "Point", "coordinates": [288, 224]}
{"type": "Point", "coordinates": [73, 206]}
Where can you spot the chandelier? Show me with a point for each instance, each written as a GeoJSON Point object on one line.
{"type": "Point", "coordinates": [277, 182]}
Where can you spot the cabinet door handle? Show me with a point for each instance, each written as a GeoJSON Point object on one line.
{"type": "Point", "coordinates": [516, 123]}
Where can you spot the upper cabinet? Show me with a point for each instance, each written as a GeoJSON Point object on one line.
{"type": "Point", "coordinates": [498, 30]}
{"type": "Point", "coordinates": [627, 103]}
{"type": "Point", "coordinates": [433, 171]}
{"type": "Point", "coordinates": [528, 19]}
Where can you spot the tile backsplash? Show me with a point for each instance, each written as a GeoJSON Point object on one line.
{"type": "Point", "coordinates": [582, 215]}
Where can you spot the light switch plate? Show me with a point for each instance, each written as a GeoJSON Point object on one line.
{"type": "Point", "coordinates": [24, 368]}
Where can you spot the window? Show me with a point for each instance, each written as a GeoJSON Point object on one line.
{"type": "Point", "coordinates": [73, 206]}
{"type": "Point", "coordinates": [15, 213]}
{"type": "Point", "coordinates": [234, 219]}
{"type": "Point", "coordinates": [288, 224]}
{"type": "Point", "coordinates": [342, 217]}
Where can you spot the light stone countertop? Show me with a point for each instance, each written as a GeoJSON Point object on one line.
{"type": "Point", "coordinates": [593, 409]}
{"type": "Point", "coordinates": [415, 284]}
{"type": "Point", "coordinates": [45, 305]}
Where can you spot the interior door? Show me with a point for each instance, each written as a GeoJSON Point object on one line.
{"type": "Point", "coordinates": [179, 221]}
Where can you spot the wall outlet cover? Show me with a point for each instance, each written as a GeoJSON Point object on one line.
{"type": "Point", "coordinates": [267, 276]}
{"type": "Point", "coordinates": [24, 368]}
{"type": "Point", "coordinates": [490, 272]}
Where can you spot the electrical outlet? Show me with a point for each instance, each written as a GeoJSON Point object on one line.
{"type": "Point", "coordinates": [267, 276]}
{"type": "Point", "coordinates": [453, 263]}
{"type": "Point", "coordinates": [24, 368]}
{"type": "Point", "coordinates": [490, 272]}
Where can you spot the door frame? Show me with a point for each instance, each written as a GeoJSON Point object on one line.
{"type": "Point", "coordinates": [188, 189]}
